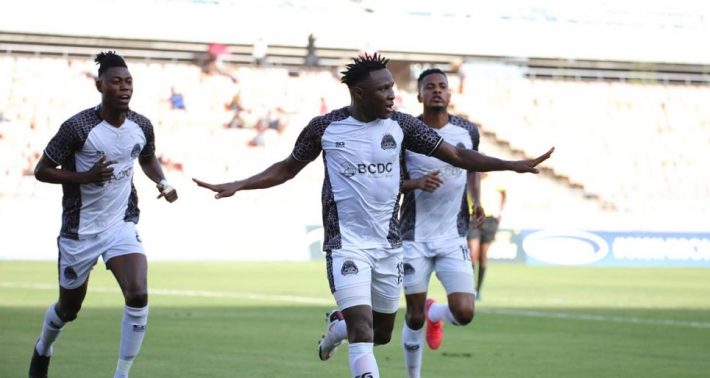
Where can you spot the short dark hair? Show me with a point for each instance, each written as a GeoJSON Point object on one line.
{"type": "Point", "coordinates": [108, 59]}
{"type": "Point", "coordinates": [428, 72]}
{"type": "Point", "coordinates": [361, 67]}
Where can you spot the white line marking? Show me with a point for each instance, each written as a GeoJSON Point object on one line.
{"type": "Point", "coordinates": [599, 318]}
{"type": "Point", "coordinates": [187, 293]}
{"type": "Point", "coordinates": [321, 301]}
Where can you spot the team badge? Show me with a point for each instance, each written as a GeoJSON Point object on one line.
{"type": "Point", "coordinates": [408, 269]}
{"type": "Point", "coordinates": [349, 170]}
{"type": "Point", "coordinates": [349, 267]}
{"type": "Point", "coordinates": [136, 150]}
{"type": "Point", "coordinates": [388, 142]}
{"type": "Point", "coordinates": [69, 273]}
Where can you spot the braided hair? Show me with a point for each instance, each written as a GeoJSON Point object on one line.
{"type": "Point", "coordinates": [107, 60]}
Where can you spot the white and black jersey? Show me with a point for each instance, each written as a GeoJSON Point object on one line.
{"type": "Point", "coordinates": [442, 214]}
{"type": "Point", "coordinates": [362, 174]}
{"type": "Point", "coordinates": [80, 142]}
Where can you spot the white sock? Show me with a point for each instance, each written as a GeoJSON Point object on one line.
{"type": "Point", "coordinates": [133, 325]}
{"type": "Point", "coordinates": [412, 345]}
{"type": "Point", "coordinates": [122, 368]}
{"type": "Point", "coordinates": [339, 331]}
{"type": "Point", "coordinates": [440, 311]}
{"type": "Point", "coordinates": [51, 328]}
{"type": "Point", "coordinates": [362, 361]}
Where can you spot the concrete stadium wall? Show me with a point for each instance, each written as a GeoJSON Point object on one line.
{"type": "Point", "coordinates": [353, 28]}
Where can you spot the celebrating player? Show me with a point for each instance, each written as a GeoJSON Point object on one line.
{"type": "Point", "coordinates": [96, 150]}
{"type": "Point", "coordinates": [361, 146]}
{"type": "Point", "coordinates": [434, 222]}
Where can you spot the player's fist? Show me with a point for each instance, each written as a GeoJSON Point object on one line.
{"type": "Point", "coordinates": [167, 191]}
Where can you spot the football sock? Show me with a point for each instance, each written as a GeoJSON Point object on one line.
{"type": "Point", "coordinates": [50, 331]}
{"type": "Point", "coordinates": [362, 360]}
{"type": "Point", "coordinates": [412, 342]}
{"type": "Point", "coordinates": [481, 273]}
{"type": "Point", "coordinates": [440, 311]}
{"type": "Point", "coordinates": [339, 331]}
{"type": "Point", "coordinates": [133, 325]}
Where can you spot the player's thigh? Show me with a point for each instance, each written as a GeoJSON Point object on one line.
{"type": "Point", "coordinates": [77, 258]}
{"type": "Point", "coordinates": [130, 271]}
{"type": "Point", "coordinates": [125, 257]}
{"type": "Point", "coordinates": [122, 239]}
{"type": "Point", "coordinates": [453, 268]}
{"type": "Point", "coordinates": [418, 267]}
{"type": "Point", "coordinates": [349, 277]}
{"type": "Point", "coordinates": [387, 276]}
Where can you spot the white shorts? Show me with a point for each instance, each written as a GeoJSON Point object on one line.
{"type": "Point", "coordinates": [450, 259]}
{"type": "Point", "coordinates": [78, 257]}
{"type": "Point", "coordinates": [371, 277]}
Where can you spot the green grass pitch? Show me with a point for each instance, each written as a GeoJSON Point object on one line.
{"type": "Point", "coordinates": [238, 319]}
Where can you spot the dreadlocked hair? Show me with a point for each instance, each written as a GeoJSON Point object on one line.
{"type": "Point", "coordinates": [361, 67]}
{"type": "Point", "coordinates": [108, 59]}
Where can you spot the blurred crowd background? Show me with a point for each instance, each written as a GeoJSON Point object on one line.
{"type": "Point", "coordinates": [619, 88]}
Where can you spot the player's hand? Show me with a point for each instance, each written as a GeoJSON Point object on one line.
{"type": "Point", "coordinates": [167, 191]}
{"type": "Point", "coordinates": [223, 190]}
{"type": "Point", "coordinates": [101, 171]}
{"type": "Point", "coordinates": [430, 182]}
{"type": "Point", "coordinates": [528, 166]}
{"type": "Point", "coordinates": [478, 215]}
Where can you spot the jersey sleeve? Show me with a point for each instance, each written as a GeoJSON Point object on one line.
{"type": "Point", "coordinates": [418, 137]}
{"type": "Point", "coordinates": [308, 144]}
{"type": "Point", "coordinates": [64, 143]}
{"type": "Point", "coordinates": [147, 127]}
{"type": "Point", "coordinates": [471, 127]}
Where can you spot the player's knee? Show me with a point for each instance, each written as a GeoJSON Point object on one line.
{"type": "Point", "coordinates": [67, 314]}
{"type": "Point", "coordinates": [415, 320]}
{"type": "Point", "coordinates": [136, 298]}
{"type": "Point", "coordinates": [360, 332]}
{"type": "Point", "coordinates": [463, 316]}
{"type": "Point", "coordinates": [382, 337]}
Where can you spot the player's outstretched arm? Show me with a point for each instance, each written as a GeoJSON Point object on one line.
{"type": "Point", "coordinates": [474, 161]}
{"type": "Point", "coordinates": [276, 174]}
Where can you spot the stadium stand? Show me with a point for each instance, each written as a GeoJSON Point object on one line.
{"type": "Point", "coordinates": [631, 135]}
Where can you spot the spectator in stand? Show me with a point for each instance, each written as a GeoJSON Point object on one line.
{"type": "Point", "coordinates": [259, 51]}
{"type": "Point", "coordinates": [214, 64]}
{"type": "Point", "coordinates": [237, 121]}
{"type": "Point", "coordinates": [311, 59]}
{"type": "Point", "coordinates": [177, 101]}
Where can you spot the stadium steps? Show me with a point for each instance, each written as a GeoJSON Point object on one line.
{"type": "Point", "coordinates": [573, 186]}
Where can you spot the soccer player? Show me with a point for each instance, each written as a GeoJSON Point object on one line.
{"type": "Point", "coordinates": [96, 149]}
{"type": "Point", "coordinates": [434, 222]}
{"type": "Point", "coordinates": [361, 146]}
{"type": "Point", "coordinates": [494, 196]}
